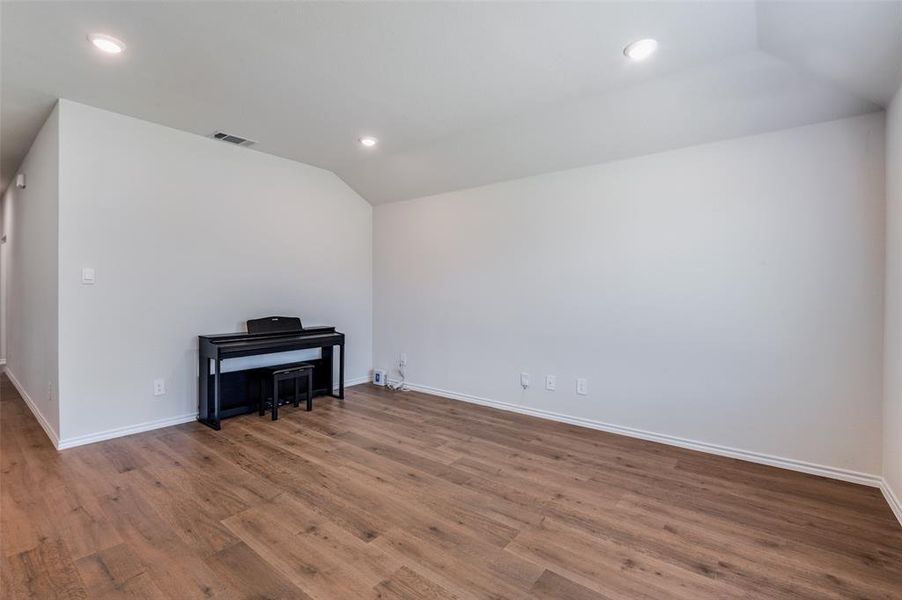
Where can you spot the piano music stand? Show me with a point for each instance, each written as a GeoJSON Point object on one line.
{"type": "Point", "coordinates": [274, 325]}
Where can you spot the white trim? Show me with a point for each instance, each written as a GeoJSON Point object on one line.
{"type": "Point", "coordinates": [353, 382]}
{"type": "Point", "coordinates": [93, 437]}
{"type": "Point", "coordinates": [109, 434]}
{"type": "Point", "coordinates": [2, 362]}
{"type": "Point", "coordinates": [755, 457]}
{"type": "Point", "coordinates": [891, 499]}
{"type": "Point", "coordinates": [54, 438]}
{"type": "Point", "coordinates": [149, 425]}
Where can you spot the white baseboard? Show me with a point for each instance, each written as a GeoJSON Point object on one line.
{"type": "Point", "coordinates": [891, 499]}
{"type": "Point", "coordinates": [54, 438]}
{"type": "Point", "coordinates": [755, 457]}
{"type": "Point", "coordinates": [353, 382]}
{"type": "Point", "coordinates": [109, 434]}
{"type": "Point", "coordinates": [150, 425]}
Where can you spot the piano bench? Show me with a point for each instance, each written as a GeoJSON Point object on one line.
{"type": "Point", "coordinates": [294, 372]}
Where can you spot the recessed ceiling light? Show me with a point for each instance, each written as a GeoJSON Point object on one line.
{"type": "Point", "coordinates": [369, 142]}
{"type": "Point", "coordinates": [107, 43]}
{"type": "Point", "coordinates": [641, 49]}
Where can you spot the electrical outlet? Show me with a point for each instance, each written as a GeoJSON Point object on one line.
{"type": "Point", "coordinates": [159, 387]}
{"type": "Point", "coordinates": [403, 361]}
{"type": "Point", "coordinates": [582, 386]}
{"type": "Point", "coordinates": [524, 380]}
{"type": "Point", "coordinates": [550, 383]}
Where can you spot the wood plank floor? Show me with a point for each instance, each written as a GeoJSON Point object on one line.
{"type": "Point", "coordinates": [411, 496]}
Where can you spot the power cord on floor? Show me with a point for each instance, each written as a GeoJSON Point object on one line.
{"type": "Point", "coordinates": [401, 386]}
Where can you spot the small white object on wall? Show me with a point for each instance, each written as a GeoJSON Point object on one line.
{"type": "Point", "coordinates": [87, 276]}
{"type": "Point", "coordinates": [378, 377]}
{"type": "Point", "coordinates": [20, 181]}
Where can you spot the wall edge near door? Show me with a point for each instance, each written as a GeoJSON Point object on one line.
{"type": "Point", "coordinates": [755, 457]}
{"type": "Point", "coordinates": [54, 438]}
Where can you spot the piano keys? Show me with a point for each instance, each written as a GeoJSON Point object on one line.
{"type": "Point", "coordinates": [222, 395]}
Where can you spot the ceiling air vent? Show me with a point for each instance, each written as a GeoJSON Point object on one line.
{"type": "Point", "coordinates": [232, 139]}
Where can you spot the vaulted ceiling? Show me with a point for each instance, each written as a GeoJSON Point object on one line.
{"type": "Point", "coordinates": [458, 93]}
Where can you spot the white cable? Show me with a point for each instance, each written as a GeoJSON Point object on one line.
{"type": "Point", "coordinates": [402, 385]}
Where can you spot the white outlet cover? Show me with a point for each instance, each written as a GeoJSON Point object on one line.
{"type": "Point", "coordinates": [87, 276]}
{"type": "Point", "coordinates": [550, 383]}
{"type": "Point", "coordinates": [159, 387]}
{"type": "Point", "coordinates": [582, 386]}
{"type": "Point", "coordinates": [524, 380]}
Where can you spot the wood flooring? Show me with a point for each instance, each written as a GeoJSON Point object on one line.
{"type": "Point", "coordinates": [405, 495]}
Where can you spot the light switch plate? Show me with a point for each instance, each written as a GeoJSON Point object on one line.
{"type": "Point", "coordinates": [87, 276]}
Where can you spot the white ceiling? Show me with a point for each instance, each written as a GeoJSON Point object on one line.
{"type": "Point", "coordinates": [459, 93]}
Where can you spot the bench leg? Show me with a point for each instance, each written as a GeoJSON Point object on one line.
{"type": "Point", "coordinates": [275, 398]}
{"type": "Point", "coordinates": [296, 391]}
{"type": "Point", "coordinates": [309, 391]}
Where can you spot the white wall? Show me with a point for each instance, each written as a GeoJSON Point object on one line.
{"type": "Point", "coordinates": [729, 293]}
{"type": "Point", "coordinates": [892, 420]}
{"type": "Point", "coordinates": [4, 270]}
{"type": "Point", "coordinates": [190, 236]}
{"type": "Point", "coordinates": [30, 223]}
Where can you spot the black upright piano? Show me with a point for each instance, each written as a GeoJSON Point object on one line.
{"type": "Point", "coordinates": [222, 395]}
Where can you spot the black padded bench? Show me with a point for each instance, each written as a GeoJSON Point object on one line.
{"type": "Point", "coordinates": [295, 372]}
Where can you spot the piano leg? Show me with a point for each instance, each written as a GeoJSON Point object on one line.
{"type": "Point", "coordinates": [275, 397]}
{"type": "Point", "coordinates": [215, 420]}
{"type": "Point", "coordinates": [341, 371]}
{"type": "Point", "coordinates": [203, 375]}
{"type": "Point", "coordinates": [208, 413]}
{"type": "Point", "coordinates": [328, 368]}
